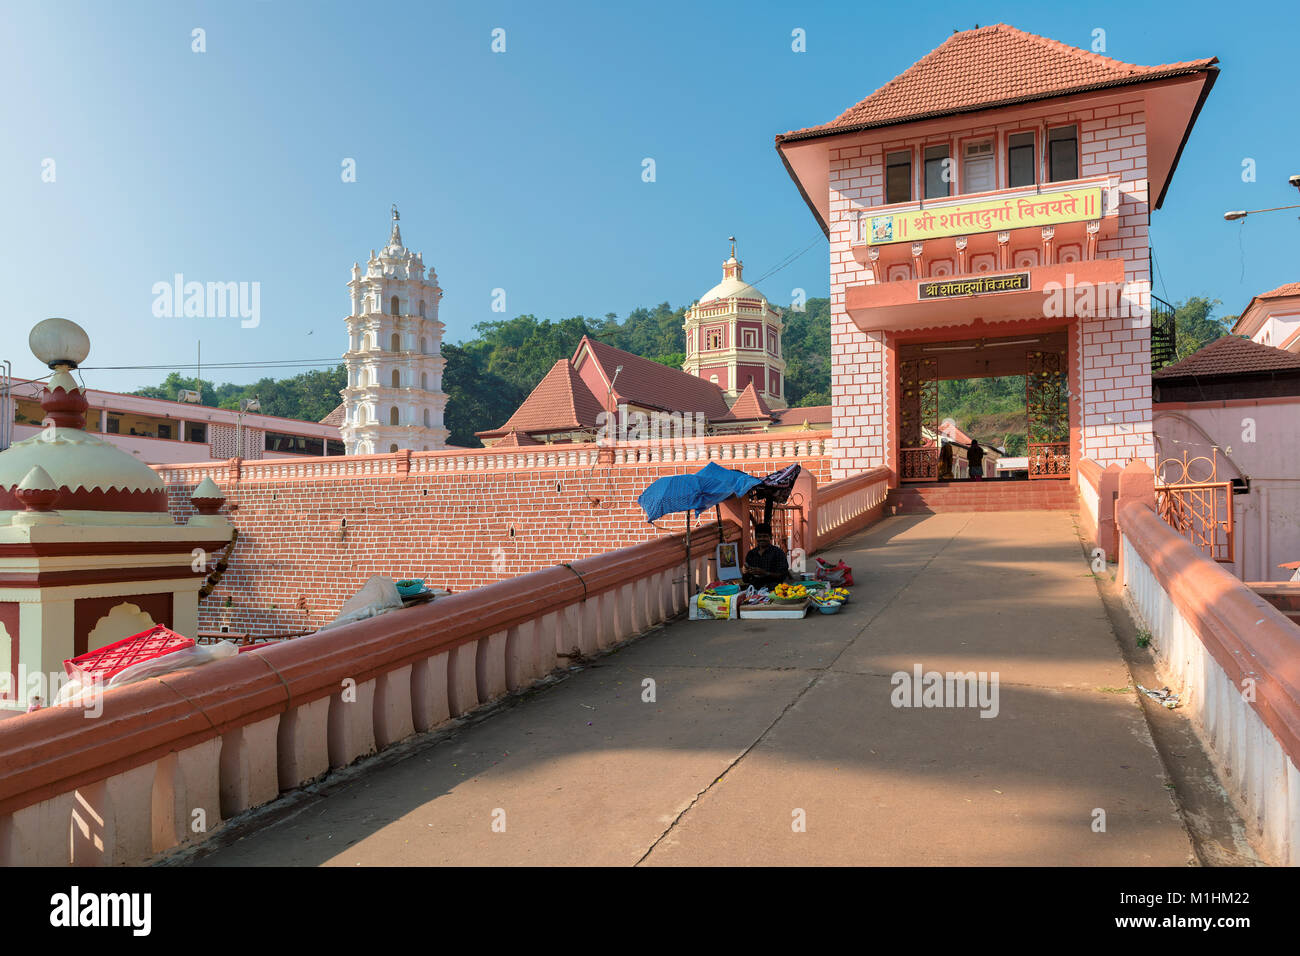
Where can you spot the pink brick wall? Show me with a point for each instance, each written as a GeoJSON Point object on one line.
{"type": "Point", "coordinates": [1113, 353]}
{"type": "Point", "coordinates": [295, 563]}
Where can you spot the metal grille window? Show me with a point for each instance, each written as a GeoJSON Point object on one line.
{"type": "Point", "coordinates": [1063, 153]}
{"type": "Point", "coordinates": [1020, 160]}
{"type": "Point", "coordinates": [898, 177]}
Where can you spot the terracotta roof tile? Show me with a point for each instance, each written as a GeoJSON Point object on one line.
{"type": "Point", "coordinates": [987, 67]}
{"type": "Point", "coordinates": [1231, 355]}
{"type": "Point", "coordinates": [515, 440]}
{"type": "Point", "coordinates": [1290, 288]}
{"type": "Point", "coordinates": [749, 407]}
{"type": "Point", "coordinates": [812, 414]}
{"type": "Point", "coordinates": [651, 385]}
{"type": "Point", "coordinates": [336, 417]}
{"type": "Point", "coordinates": [560, 401]}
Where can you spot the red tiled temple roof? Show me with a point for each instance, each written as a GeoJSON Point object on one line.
{"type": "Point", "coordinates": [515, 440]}
{"type": "Point", "coordinates": [335, 417]}
{"type": "Point", "coordinates": [990, 67]}
{"type": "Point", "coordinates": [812, 414]}
{"type": "Point", "coordinates": [1231, 355]}
{"type": "Point", "coordinates": [749, 407]}
{"type": "Point", "coordinates": [651, 385]}
{"type": "Point", "coordinates": [560, 401]}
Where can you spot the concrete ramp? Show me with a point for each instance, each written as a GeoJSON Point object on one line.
{"type": "Point", "coordinates": [781, 742]}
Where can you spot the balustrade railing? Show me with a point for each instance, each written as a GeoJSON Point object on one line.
{"type": "Point", "coordinates": [1231, 657]}
{"type": "Point", "coordinates": [1049, 459]}
{"type": "Point", "coordinates": [214, 741]}
{"type": "Point", "coordinates": [850, 504]}
{"type": "Point", "coordinates": [794, 446]}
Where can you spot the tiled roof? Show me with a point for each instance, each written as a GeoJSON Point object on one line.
{"type": "Point", "coordinates": [647, 383]}
{"type": "Point", "coordinates": [1281, 292]}
{"type": "Point", "coordinates": [749, 407]}
{"type": "Point", "coordinates": [956, 434]}
{"type": "Point", "coordinates": [336, 417]}
{"type": "Point", "coordinates": [988, 67]}
{"type": "Point", "coordinates": [515, 440]}
{"type": "Point", "coordinates": [812, 414]}
{"type": "Point", "coordinates": [1290, 288]}
{"type": "Point", "coordinates": [1231, 355]}
{"type": "Point", "coordinates": [560, 401]}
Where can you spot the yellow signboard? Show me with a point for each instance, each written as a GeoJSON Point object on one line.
{"type": "Point", "coordinates": [991, 215]}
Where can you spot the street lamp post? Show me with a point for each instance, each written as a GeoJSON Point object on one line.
{"type": "Point", "coordinates": [1243, 213]}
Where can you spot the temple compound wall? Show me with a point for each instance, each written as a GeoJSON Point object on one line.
{"type": "Point", "coordinates": [311, 533]}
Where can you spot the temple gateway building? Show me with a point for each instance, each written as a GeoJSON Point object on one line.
{"type": "Point", "coordinates": [987, 212]}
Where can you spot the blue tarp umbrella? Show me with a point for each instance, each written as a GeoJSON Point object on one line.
{"type": "Point", "coordinates": [710, 485]}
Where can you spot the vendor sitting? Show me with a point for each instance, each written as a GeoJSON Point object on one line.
{"type": "Point", "coordinates": [765, 565]}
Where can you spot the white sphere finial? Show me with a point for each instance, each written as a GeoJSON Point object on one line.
{"type": "Point", "coordinates": [59, 342]}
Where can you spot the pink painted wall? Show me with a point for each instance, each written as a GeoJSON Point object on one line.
{"type": "Point", "coordinates": [1268, 519]}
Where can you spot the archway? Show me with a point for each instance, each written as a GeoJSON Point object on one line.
{"type": "Point", "coordinates": [1009, 393]}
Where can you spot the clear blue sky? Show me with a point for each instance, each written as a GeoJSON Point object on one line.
{"type": "Point", "coordinates": [519, 170]}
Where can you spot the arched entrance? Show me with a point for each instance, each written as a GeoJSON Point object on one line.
{"type": "Point", "coordinates": [1026, 426]}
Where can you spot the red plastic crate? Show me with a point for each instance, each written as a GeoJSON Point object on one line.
{"type": "Point", "coordinates": [102, 664]}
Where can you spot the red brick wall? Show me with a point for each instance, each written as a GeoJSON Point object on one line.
{"type": "Point", "coordinates": [295, 562]}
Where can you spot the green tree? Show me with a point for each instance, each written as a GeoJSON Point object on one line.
{"type": "Point", "coordinates": [1196, 326]}
{"type": "Point", "coordinates": [309, 396]}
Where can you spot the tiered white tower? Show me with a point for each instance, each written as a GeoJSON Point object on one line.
{"type": "Point", "coordinates": [733, 338]}
{"type": "Point", "coordinates": [394, 398]}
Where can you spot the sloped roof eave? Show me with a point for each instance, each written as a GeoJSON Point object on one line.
{"type": "Point", "coordinates": [816, 132]}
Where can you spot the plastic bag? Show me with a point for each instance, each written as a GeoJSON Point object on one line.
{"type": "Point", "coordinates": [377, 595]}
{"type": "Point", "coordinates": [838, 574]}
{"type": "Point", "coordinates": [195, 656]}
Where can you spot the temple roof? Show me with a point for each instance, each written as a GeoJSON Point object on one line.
{"type": "Point", "coordinates": [561, 401]}
{"type": "Point", "coordinates": [649, 384]}
{"type": "Point", "coordinates": [749, 407]}
{"type": "Point", "coordinates": [514, 439]}
{"type": "Point", "coordinates": [336, 417]}
{"type": "Point", "coordinates": [989, 67]}
{"type": "Point", "coordinates": [812, 414]}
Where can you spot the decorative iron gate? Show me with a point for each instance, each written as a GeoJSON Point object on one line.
{"type": "Point", "coordinates": [1199, 510]}
{"type": "Point", "coordinates": [1047, 408]}
{"type": "Point", "coordinates": [918, 407]}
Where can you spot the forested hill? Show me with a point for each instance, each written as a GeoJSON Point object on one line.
{"type": "Point", "coordinates": [488, 376]}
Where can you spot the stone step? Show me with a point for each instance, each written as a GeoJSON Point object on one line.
{"type": "Point", "coordinates": [983, 496]}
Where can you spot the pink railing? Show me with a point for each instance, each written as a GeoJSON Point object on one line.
{"type": "Point", "coordinates": [1233, 658]}
{"type": "Point", "coordinates": [208, 743]}
{"type": "Point", "coordinates": [850, 504]}
{"type": "Point", "coordinates": [787, 445]}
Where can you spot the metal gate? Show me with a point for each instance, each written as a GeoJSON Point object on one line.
{"type": "Point", "coordinates": [1198, 509]}
{"type": "Point", "coordinates": [918, 408]}
{"type": "Point", "coordinates": [1047, 409]}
